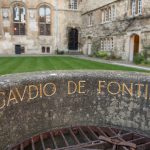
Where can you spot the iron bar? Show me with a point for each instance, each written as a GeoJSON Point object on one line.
{"type": "Point", "coordinates": [65, 141]}
{"type": "Point", "coordinates": [93, 137]}
{"type": "Point", "coordinates": [21, 147]}
{"type": "Point", "coordinates": [73, 135]}
{"type": "Point", "coordinates": [53, 140]}
{"type": "Point", "coordinates": [41, 138]}
{"type": "Point", "coordinates": [33, 147]}
{"type": "Point", "coordinates": [93, 133]}
{"type": "Point", "coordinates": [85, 136]}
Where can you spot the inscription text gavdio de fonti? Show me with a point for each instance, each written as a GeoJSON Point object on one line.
{"type": "Point", "coordinates": [31, 92]}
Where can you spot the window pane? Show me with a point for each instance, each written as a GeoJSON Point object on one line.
{"type": "Point", "coordinates": [48, 12]}
{"type": "Point", "coordinates": [45, 20]}
{"type": "Point", "coordinates": [22, 50]}
{"type": "Point", "coordinates": [42, 14]}
{"type": "Point", "coordinates": [48, 49]}
{"type": "Point", "coordinates": [47, 29]}
{"type": "Point", "coordinates": [43, 49]}
{"type": "Point", "coordinates": [42, 30]}
{"type": "Point", "coordinates": [140, 7]}
{"type": "Point", "coordinates": [75, 4]}
{"type": "Point", "coordinates": [133, 7]}
{"type": "Point", "coordinates": [48, 19]}
{"type": "Point", "coordinates": [22, 14]}
{"type": "Point", "coordinates": [16, 29]}
{"type": "Point", "coordinates": [19, 17]}
{"type": "Point", "coordinates": [16, 14]}
{"type": "Point", "coordinates": [22, 29]}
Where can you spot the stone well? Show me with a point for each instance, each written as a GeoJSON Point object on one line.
{"type": "Point", "coordinates": [33, 103]}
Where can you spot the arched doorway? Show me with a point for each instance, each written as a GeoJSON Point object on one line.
{"type": "Point", "coordinates": [73, 39]}
{"type": "Point", "coordinates": [134, 46]}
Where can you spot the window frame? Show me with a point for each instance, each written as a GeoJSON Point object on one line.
{"type": "Point", "coordinates": [90, 19]}
{"type": "Point", "coordinates": [108, 13]}
{"type": "Point", "coordinates": [73, 4]}
{"type": "Point", "coordinates": [44, 24]}
{"type": "Point", "coordinates": [140, 7]}
{"type": "Point", "coordinates": [107, 44]}
{"type": "Point", "coordinates": [19, 23]}
{"type": "Point", "coordinates": [136, 8]}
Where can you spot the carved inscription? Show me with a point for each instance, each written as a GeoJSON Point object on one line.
{"type": "Point", "coordinates": [32, 92]}
{"type": "Point", "coordinates": [28, 93]}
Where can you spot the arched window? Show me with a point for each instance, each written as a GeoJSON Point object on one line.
{"type": "Point", "coordinates": [48, 49]}
{"type": "Point", "coordinates": [44, 20]}
{"type": "Point", "coordinates": [19, 19]}
{"type": "Point", "coordinates": [43, 49]}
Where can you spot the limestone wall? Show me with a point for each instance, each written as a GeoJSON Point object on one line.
{"type": "Point", "coordinates": [61, 19]}
{"type": "Point", "coordinates": [121, 28]}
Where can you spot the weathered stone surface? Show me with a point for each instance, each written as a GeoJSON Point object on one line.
{"type": "Point", "coordinates": [62, 18]}
{"type": "Point", "coordinates": [23, 118]}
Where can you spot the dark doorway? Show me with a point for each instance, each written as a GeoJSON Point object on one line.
{"type": "Point", "coordinates": [136, 45]}
{"type": "Point", "coordinates": [18, 49]}
{"type": "Point", "coordinates": [73, 39]}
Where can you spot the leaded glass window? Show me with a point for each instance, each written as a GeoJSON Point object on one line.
{"type": "Point", "coordinates": [19, 19]}
{"type": "Point", "coordinates": [44, 20]}
{"type": "Point", "coordinates": [133, 7]}
{"type": "Point", "coordinates": [140, 7]}
{"type": "Point", "coordinates": [73, 4]}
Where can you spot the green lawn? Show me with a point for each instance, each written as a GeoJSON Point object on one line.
{"type": "Point", "coordinates": [11, 65]}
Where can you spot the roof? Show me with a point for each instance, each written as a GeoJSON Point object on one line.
{"type": "Point", "coordinates": [95, 4]}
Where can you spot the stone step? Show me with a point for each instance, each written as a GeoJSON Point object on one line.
{"type": "Point", "coordinates": [74, 53]}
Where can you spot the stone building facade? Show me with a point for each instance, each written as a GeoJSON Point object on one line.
{"type": "Point", "coordinates": [121, 27]}
{"type": "Point", "coordinates": [38, 26]}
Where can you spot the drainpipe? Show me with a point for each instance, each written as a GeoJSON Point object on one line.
{"type": "Point", "coordinates": [56, 25]}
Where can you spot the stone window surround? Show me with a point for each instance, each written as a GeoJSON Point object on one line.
{"type": "Point", "coordinates": [107, 44]}
{"type": "Point", "coordinates": [90, 19]}
{"type": "Point", "coordinates": [12, 17]}
{"type": "Point", "coordinates": [10, 10]}
{"type": "Point", "coordinates": [39, 23]}
{"type": "Point", "coordinates": [5, 13]}
{"type": "Point", "coordinates": [136, 7]}
{"type": "Point", "coordinates": [108, 13]}
{"type": "Point", "coordinates": [37, 16]}
{"type": "Point", "coordinates": [73, 4]}
{"type": "Point", "coordinates": [24, 46]}
{"type": "Point", "coordinates": [45, 49]}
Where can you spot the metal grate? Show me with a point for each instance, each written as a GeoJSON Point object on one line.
{"type": "Point", "coordinates": [86, 138]}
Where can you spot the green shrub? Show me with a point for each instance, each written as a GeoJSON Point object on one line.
{"type": "Point", "coordinates": [81, 52]}
{"type": "Point", "coordinates": [146, 62]}
{"type": "Point", "coordinates": [114, 57]}
{"type": "Point", "coordinates": [139, 58]}
{"type": "Point", "coordinates": [101, 54]}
